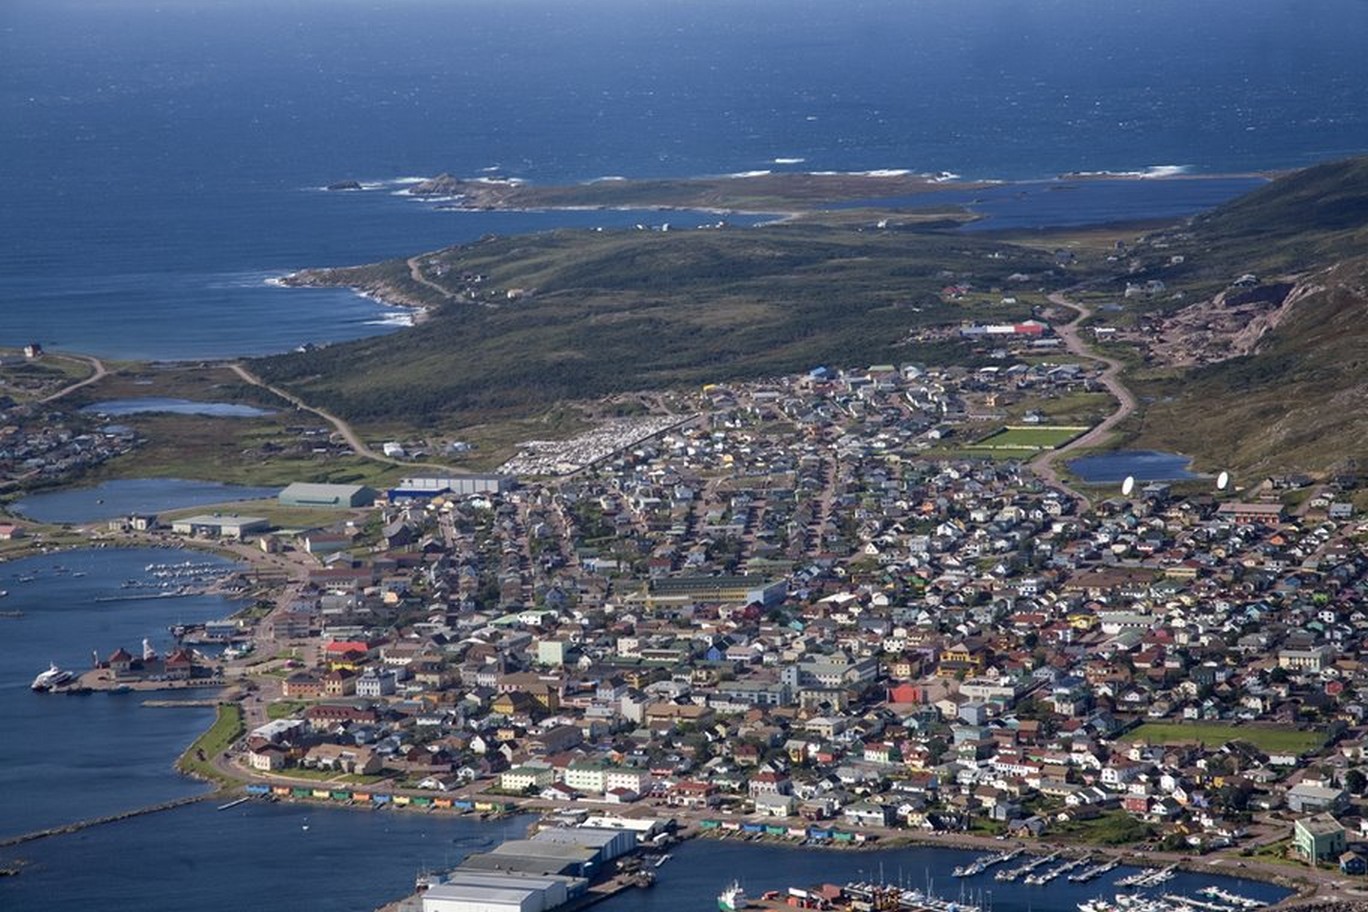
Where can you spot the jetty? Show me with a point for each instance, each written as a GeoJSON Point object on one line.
{"type": "Point", "coordinates": [79, 825]}
{"type": "Point", "coordinates": [1093, 872]}
{"type": "Point", "coordinates": [1022, 870]}
{"type": "Point", "coordinates": [1149, 877]}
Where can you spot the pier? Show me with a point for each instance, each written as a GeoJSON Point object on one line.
{"type": "Point", "coordinates": [79, 825]}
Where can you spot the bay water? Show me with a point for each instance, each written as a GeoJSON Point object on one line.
{"type": "Point", "coordinates": [162, 160]}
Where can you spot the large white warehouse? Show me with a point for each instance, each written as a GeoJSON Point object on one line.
{"type": "Point", "coordinates": [477, 898]}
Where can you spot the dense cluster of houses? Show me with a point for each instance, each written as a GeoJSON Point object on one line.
{"type": "Point", "coordinates": [787, 608]}
{"type": "Point", "coordinates": [41, 445]}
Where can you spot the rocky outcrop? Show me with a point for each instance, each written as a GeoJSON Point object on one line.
{"type": "Point", "coordinates": [1228, 325]}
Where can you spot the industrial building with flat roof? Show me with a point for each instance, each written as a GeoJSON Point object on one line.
{"type": "Point", "coordinates": [528, 856]}
{"type": "Point", "coordinates": [474, 898]}
{"type": "Point", "coordinates": [607, 844]}
{"type": "Point", "coordinates": [692, 589]}
{"type": "Point", "coordinates": [422, 486]}
{"type": "Point", "coordinates": [220, 525]}
{"type": "Point", "coordinates": [328, 496]}
{"type": "Point", "coordinates": [469, 889]}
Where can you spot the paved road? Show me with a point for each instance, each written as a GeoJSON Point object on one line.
{"type": "Point", "coordinates": [1044, 464]}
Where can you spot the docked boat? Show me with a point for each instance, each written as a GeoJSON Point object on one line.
{"type": "Point", "coordinates": [732, 899]}
{"type": "Point", "coordinates": [52, 678]}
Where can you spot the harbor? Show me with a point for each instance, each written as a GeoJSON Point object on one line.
{"type": "Point", "coordinates": [564, 865]}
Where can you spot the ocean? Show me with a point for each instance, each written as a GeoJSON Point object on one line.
{"type": "Point", "coordinates": [66, 758]}
{"type": "Point", "coordinates": [329, 859]}
{"type": "Point", "coordinates": [161, 159]}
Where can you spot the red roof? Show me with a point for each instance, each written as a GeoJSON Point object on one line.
{"type": "Point", "coordinates": [342, 647]}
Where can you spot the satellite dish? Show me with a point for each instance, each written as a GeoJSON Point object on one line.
{"type": "Point", "coordinates": [1127, 486]}
{"type": "Point", "coordinates": [1222, 481]}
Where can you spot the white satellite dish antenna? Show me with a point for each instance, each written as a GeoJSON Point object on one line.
{"type": "Point", "coordinates": [1222, 481]}
{"type": "Point", "coordinates": [1127, 486]}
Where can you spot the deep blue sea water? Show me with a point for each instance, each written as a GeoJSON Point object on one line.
{"type": "Point", "coordinates": [64, 758]}
{"type": "Point", "coordinates": [351, 861]}
{"type": "Point", "coordinates": [160, 158]}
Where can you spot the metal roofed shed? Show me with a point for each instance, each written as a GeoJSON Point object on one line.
{"type": "Point", "coordinates": [476, 898]}
{"type": "Point", "coordinates": [425, 486]}
{"type": "Point", "coordinates": [220, 525]}
{"type": "Point", "coordinates": [608, 844]}
{"type": "Point", "coordinates": [525, 856]}
{"type": "Point", "coordinates": [557, 890]}
{"type": "Point", "coordinates": [327, 496]}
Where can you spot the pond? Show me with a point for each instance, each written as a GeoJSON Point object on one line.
{"type": "Point", "coordinates": [1143, 465]}
{"type": "Point", "coordinates": [132, 495]}
{"type": "Point", "coordinates": [147, 404]}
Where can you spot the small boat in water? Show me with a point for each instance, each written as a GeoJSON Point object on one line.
{"type": "Point", "coordinates": [732, 899]}
{"type": "Point", "coordinates": [52, 678]}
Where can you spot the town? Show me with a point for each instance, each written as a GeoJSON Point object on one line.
{"type": "Point", "coordinates": [789, 610]}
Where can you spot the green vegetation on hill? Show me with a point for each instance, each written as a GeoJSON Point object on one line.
{"type": "Point", "coordinates": [1300, 400]}
{"type": "Point", "coordinates": [518, 324]}
{"type": "Point", "coordinates": [578, 314]}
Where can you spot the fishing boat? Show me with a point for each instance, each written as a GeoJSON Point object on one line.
{"type": "Point", "coordinates": [53, 678]}
{"type": "Point", "coordinates": [731, 899]}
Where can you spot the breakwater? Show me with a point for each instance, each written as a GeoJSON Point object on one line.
{"type": "Point", "coordinates": [79, 825]}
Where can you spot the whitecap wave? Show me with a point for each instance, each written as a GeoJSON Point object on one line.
{"type": "Point", "coordinates": [749, 174]}
{"type": "Point", "coordinates": [1165, 170]}
{"type": "Point", "coordinates": [607, 178]}
{"type": "Point", "coordinates": [391, 320]}
{"type": "Point", "coordinates": [788, 161]}
{"type": "Point", "coordinates": [1153, 171]}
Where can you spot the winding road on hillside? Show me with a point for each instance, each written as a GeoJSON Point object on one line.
{"type": "Point", "coordinates": [1044, 464]}
{"type": "Point", "coordinates": [416, 273]}
{"type": "Point", "coordinates": [353, 440]}
{"type": "Point", "coordinates": [98, 373]}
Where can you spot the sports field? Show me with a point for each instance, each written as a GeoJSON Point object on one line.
{"type": "Point", "coordinates": [1212, 734]}
{"type": "Point", "coordinates": [1042, 437]}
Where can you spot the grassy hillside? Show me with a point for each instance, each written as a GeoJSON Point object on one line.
{"type": "Point", "coordinates": [1302, 221]}
{"type": "Point", "coordinates": [592, 313]}
{"type": "Point", "coordinates": [1298, 401]}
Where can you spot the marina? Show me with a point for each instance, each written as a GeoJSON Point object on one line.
{"type": "Point", "coordinates": [987, 861]}
{"type": "Point", "coordinates": [1093, 872]}
{"type": "Point", "coordinates": [1149, 877]}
